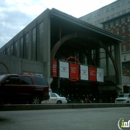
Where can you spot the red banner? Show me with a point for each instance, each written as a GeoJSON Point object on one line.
{"type": "Point", "coordinates": [54, 70]}
{"type": "Point", "coordinates": [92, 73]}
{"type": "Point", "coordinates": [74, 71]}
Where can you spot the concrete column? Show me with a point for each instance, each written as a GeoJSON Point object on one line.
{"type": "Point", "coordinates": [119, 63]}
{"type": "Point", "coordinates": [47, 49]}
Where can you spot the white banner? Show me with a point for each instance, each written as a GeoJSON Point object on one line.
{"type": "Point", "coordinates": [100, 75]}
{"type": "Point", "coordinates": [64, 69]}
{"type": "Point", "coordinates": [83, 72]}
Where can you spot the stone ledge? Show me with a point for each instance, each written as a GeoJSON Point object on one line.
{"type": "Point", "coordinates": [14, 107]}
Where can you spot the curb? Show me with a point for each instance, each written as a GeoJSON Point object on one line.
{"type": "Point", "coordinates": [15, 107]}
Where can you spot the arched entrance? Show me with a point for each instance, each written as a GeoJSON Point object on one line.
{"type": "Point", "coordinates": [79, 46]}
{"type": "Point", "coordinates": [3, 69]}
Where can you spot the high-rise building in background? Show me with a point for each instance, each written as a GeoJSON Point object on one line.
{"type": "Point", "coordinates": [113, 10]}
{"type": "Point", "coordinates": [115, 18]}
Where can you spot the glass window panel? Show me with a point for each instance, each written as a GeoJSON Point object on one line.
{"type": "Point", "coordinates": [34, 44]}
{"type": "Point", "coordinates": [26, 80]}
{"type": "Point", "coordinates": [124, 11]}
{"type": "Point", "coordinates": [129, 37]}
{"type": "Point", "coordinates": [40, 42]}
{"type": "Point", "coordinates": [123, 20]}
{"type": "Point", "coordinates": [111, 69]}
{"type": "Point", "coordinates": [103, 65]}
{"type": "Point", "coordinates": [117, 22]}
{"type": "Point", "coordinates": [123, 3]}
{"type": "Point", "coordinates": [27, 46]}
{"type": "Point", "coordinates": [112, 8]}
{"type": "Point", "coordinates": [123, 29]}
{"type": "Point", "coordinates": [102, 53]}
{"type": "Point", "coordinates": [128, 18]}
{"type": "Point", "coordinates": [128, 1]}
{"type": "Point", "coordinates": [106, 26]}
{"type": "Point", "coordinates": [12, 80]}
{"type": "Point", "coordinates": [53, 95]}
{"type": "Point", "coordinates": [17, 49]}
{"type": "Point", "coordinates": [102, 60]}
{"type": "Point", "coordinates": [117, 31]}
{"type": "Point", "coordinates": [11, 50]}
{"type": "Point", "coordinates": [129, 27]}
{"type": "Point", "coordinates": [21, 48]}
{"type": "Point", "coordinates": [111, 24]}
{"type": "Point", "coordinates": [124, 48]}
{"type": "Point", "coordinates": [8, 51]}
{"type": "Point", "coordinates": [40, 81]}
{"type": "Point", "coordinates": [107, 10]}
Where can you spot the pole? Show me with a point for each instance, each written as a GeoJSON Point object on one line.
{"type": "Point", "coordinates": [59, 86]}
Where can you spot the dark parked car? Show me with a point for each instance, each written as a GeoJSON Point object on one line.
{"type": "Point", "coordinates": [16, 88]}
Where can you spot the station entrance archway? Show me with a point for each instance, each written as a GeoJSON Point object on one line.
{"type": "Point", "coordinates": [3, 69]}
{"type": "Point", "coordinates": [83, 48]}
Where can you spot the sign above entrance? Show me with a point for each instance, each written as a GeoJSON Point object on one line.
{"type": "Point", "coordinates": [74, 71]}
{"type": "Point", "coordinates": [100, 75]}
{"type": "Point", "coordinates": [83, 72]}
{"type": "Point", "coordinates": [63, 69]}
{"type": "Point", "coordinates": [54, 70]}
{"type": "Point", "coordinates": [74, 68]}
{"type": "Point", "coordinates": [92, 73]}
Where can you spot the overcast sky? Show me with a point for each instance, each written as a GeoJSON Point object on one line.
{"type": "Point", "coordinates": [16, 14]}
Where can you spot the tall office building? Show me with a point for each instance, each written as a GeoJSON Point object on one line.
{"type": "Point", "coordinates": [115, 18]}
{"type": "Point", "coordinates": [108, 12]}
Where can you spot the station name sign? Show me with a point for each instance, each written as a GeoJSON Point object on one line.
{"type": "Point", "coordinates": [75, 71]}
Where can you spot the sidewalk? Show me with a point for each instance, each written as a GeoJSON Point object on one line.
{"type": "Point", "coordinates": [15, 107]}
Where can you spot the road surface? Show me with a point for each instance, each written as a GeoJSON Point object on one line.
{"type": "Point", "coordinates": [64, 119]}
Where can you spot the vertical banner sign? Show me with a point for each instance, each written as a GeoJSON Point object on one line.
{"type": "Point", "coordinates": [74, 71]}
{"type": "Point", "coordinates": [63, 69]}
{"type": "Point", "coordinates": [100, 75]}
{"type": "Point", "coordinates": [84, 72]}
{"type": "Point", "coordinates": [54, 69]}
{"type": "Point", "coordinates": [92, 73]}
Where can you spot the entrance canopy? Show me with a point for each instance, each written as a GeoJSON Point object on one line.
{"type": "Point", "coordinates": [69, 24]}
{"type": "Point", "coordinates": [109, 85]}
{"type": "Point", "coordinates": [89, 44]}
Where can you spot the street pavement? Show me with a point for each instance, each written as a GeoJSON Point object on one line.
{"type": "Point", "coordinates": [64, 119]}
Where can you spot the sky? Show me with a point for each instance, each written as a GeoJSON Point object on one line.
{"type": "Point", "coordinates": [17, 14]}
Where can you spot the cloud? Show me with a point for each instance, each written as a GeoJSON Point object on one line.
{"type": "Point", "coordinates": [16, 14]}
{"type": "Point", "coordinates": [11, 23]}
{"type": "Point", "coordinates": [14, 17]}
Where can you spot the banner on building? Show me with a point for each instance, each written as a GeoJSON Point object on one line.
{"type": "Point", "coordinates": [74, 71]}
{"type": "Point", "coordinates": [92, 73]}
{"type": "Point", "coordinates": [100, 75]}
{"type": "Point", "coordinates": [54, 69]}
{"type": "Point", "coordinates": [83, 72]}
{"type": "Point", "coordinates": [63, 69]}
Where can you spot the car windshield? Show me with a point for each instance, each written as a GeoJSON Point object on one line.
{"type": "Point", "coordinates": [123, 95]}
{"type": "Point", "coordinates": [2, 77]}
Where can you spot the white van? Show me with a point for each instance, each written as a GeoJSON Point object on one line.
{"type": "Point", "coordinates": [123, 98]}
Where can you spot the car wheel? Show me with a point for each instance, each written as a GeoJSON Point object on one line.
{"type": "Point", "coordinates": [36, 100]}
{"type": "Point", "coordinates": [127, 102]}
{"type": "Point", "coordinates": [59, 102]}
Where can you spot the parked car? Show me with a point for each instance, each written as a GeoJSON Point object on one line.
{"type": "Point", "coordinates": [16, 88]}
{"type": "Point", "coordinates": [55, 99]}
{"type": "Point", "coordinates": [123, 98]}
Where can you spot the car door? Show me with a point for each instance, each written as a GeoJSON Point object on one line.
{"type": "Point", "coordinates": [9, 87]}
{"type": "Point", "coordinates": [25, 89]}
{"type": "Point", "coordinates": [53, 98]}
{"type": "Point", "coordinates": [129, 98]}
